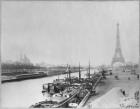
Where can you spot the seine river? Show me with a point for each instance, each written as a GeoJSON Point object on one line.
{"type": "Point", "coordinates": [25, 93]}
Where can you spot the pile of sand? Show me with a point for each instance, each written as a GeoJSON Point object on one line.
{"type": "Point", "coordinates": [109, 100]}
{"type": "Point", "coordinates": [115, 98]}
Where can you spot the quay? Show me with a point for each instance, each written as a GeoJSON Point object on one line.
{"type": "Point", "coordinates": [103, 95]}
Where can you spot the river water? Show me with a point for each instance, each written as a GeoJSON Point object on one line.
{"type": "Point", "coordinates": [25, 93]}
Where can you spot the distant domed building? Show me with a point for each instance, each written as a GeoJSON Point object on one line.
{"type": "Point", "coordinates": [24, 60]}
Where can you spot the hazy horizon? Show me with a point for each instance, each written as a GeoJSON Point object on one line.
{"type": "Point", "coordinates": [69, 32]}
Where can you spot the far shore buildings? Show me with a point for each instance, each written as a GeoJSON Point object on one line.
{"type": "Point", "coordinates": [22, 65]}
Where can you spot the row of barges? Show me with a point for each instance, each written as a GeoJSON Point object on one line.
{"type": "Point", "coordinates": [24, 77]}
{"type": "Point", "coordinates": [69, 92]}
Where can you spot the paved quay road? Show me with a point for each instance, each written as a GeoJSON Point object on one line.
{"type": "Point", "coordinates": [129, 85]}
{"type": "Point", "coordinates": [27, 92]}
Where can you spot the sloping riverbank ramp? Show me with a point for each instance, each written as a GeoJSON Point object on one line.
{"type": "Point", "coordinates": [109, 100]}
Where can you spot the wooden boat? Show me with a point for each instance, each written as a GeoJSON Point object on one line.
{"type": "Point", "coordinates": [80, 99]}
{"type": "Point", "coordinates": [58, 99]}
{"type": "Point", "coordinates": [58, 85]}
{"type": "Point", "coordinates": [70, 93]}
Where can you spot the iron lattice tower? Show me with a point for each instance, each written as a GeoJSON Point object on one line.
{"type": "Point", "coordinates": [118, 57]}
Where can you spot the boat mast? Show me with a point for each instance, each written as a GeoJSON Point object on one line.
{"type": "Point", "coordinates": [69, 72]}
{"type": "Point", "coordinates": [66, 72]}
{"type": "Point", "coordinates": [79, 72]}
{"type": "Point", "coordinates": [89, 69]}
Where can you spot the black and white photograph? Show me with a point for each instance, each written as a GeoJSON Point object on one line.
{"type": "Point", "coordinates": [70, 54]}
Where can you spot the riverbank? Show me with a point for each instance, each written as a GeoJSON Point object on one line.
{"type": "Point", "coordinates": [126, 81]}
{"type": "Point", "coordinates": [29, 76]}
{"type": "Point", "coordinates": [24, 77]}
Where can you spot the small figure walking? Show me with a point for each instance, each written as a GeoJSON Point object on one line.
{"type": "Point", "coordinates": [137, 96]}
{"type": "Point", "coordinates": [138, 76]}
{"type": "Point", "coordinates": [123, 92]}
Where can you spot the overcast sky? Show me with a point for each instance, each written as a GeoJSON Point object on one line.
{"type": "Point", "coordinates": [69, 32]}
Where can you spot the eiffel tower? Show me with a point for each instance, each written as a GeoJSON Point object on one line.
{"type": "Point", "coordinates": [118, 57]}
